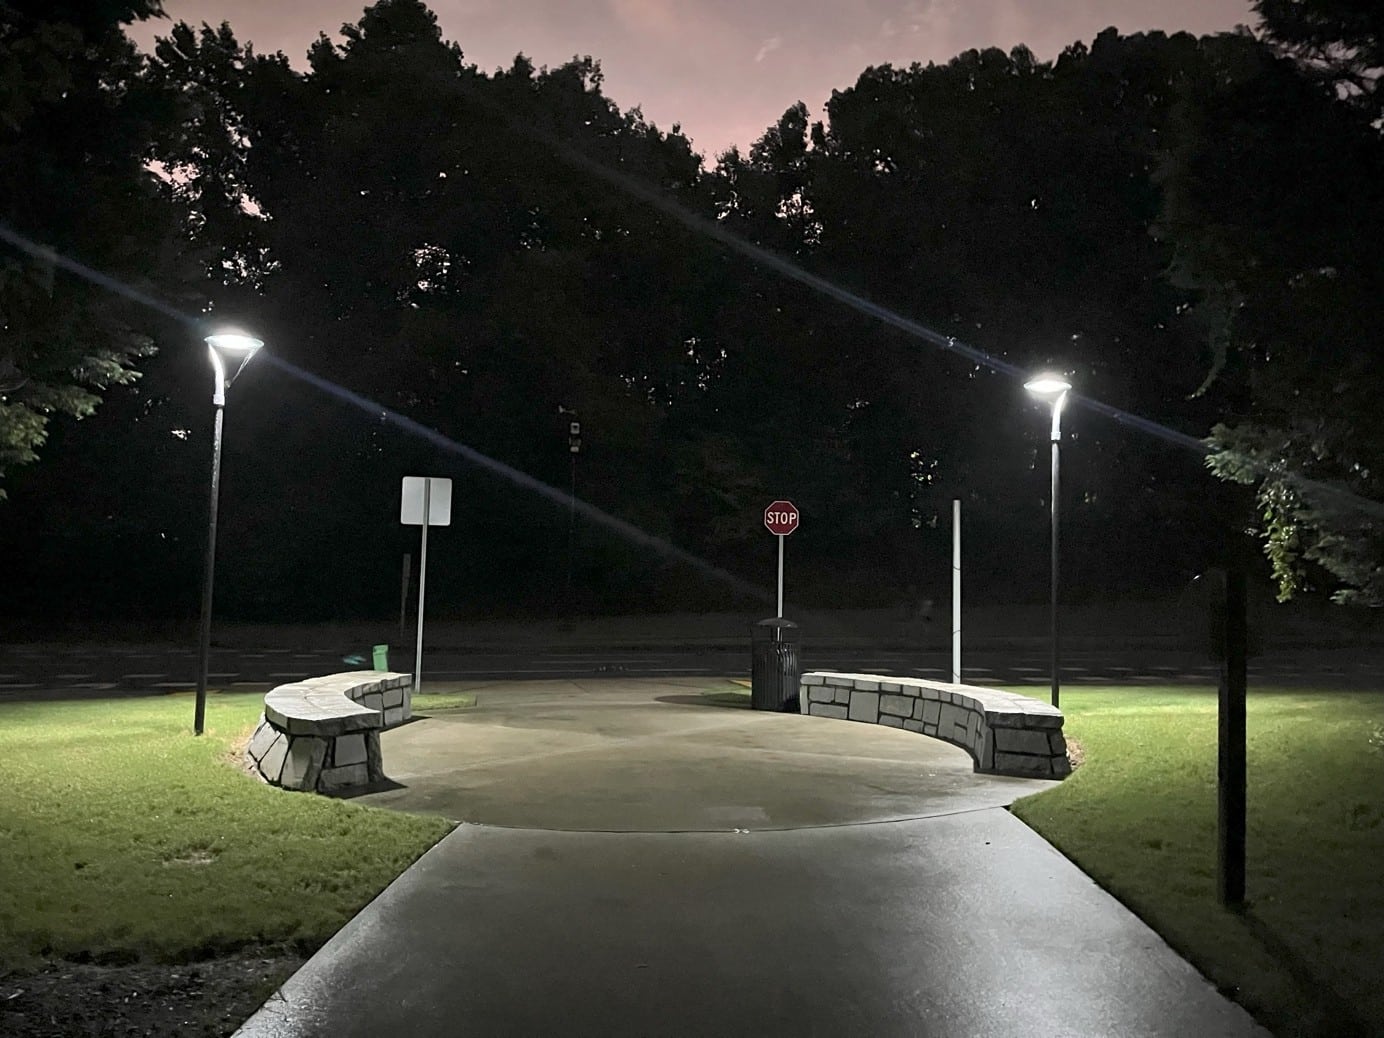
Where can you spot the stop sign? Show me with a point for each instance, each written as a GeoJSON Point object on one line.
{"type": "Point", "coordinates": [781, 517]}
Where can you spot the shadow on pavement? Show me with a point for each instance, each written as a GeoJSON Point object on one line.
{"type": "Point", "coordinates": [733, 700]}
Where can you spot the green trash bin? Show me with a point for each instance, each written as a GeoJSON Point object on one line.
{"type": "Point", "coordinates": [381, 657]}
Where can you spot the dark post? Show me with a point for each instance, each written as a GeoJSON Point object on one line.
{"type": "Point", "coordinates": [571, 523]}
{"type": "Point", "coordinates": [573, 449]}
{"type": "Point", "coordinates": [204, 648]}
{"type": "Point", "coordinates": [403, 596]}
{"type": "Point", "coordinates": [1056, 452]}
{"type": "Point", "coordinates": [1230, 771]}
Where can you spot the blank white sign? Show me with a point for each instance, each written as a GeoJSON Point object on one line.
{"type": "Point", "coordinates": [439, 501]}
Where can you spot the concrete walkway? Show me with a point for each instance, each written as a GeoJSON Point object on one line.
{"type": "Point", "coordinates": [641, 861]}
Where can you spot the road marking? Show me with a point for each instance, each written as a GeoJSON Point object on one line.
{"type": "Point", "coordinates": [72, 677]}
{"type": "Point", "coordinates": [142, 677]}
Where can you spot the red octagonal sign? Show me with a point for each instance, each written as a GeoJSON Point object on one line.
{"type": "Point", "coordinates": [781, 517]}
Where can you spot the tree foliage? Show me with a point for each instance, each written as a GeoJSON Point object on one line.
{"type": "Point", "coordinates": [1275, 199]}
{"type": "Point", "coordinates": [77, 129]}
{"type": "Point", "coordinates": [431, 239]}
{"type": "Point", "coordinates": [1340, 42]}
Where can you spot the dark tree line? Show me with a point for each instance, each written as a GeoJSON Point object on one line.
{"type": "Point", "coordinates": [1188, 227]}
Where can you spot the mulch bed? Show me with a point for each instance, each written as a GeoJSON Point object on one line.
{"type": "Point", "coordinates": [78, 1000]}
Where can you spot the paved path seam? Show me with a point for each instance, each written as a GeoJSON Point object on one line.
{"type": "Point", "coordinates": [806, 826]}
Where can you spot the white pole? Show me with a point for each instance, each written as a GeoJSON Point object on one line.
{"type": "Point", "coordinates": [956, 592]}
{"type": "Point", "coordinates": [780, 577]}
{"type": "Point", "coordinates": [422, 584]}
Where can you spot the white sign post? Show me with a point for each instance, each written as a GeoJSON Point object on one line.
{"type": "Point", "coordinates": [781, 519]}
{"type": "Point", "coordinates": [956, 592]}
{"type": "Point", "coordinates": [427, 501]}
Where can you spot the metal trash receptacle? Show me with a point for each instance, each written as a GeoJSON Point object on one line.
{"type": "Point", "coordinates": [381, 657]}
{"type": "Point", "coordinates": [776, 665]}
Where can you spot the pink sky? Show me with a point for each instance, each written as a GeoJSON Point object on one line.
{"type": "Point", "coordinates": [724, 69]}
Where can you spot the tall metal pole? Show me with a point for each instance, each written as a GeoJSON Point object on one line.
{"type": "Point", "coordinates": [1230, 785]}
{"type": "Point", "coordinates": [956, 592]}
{"type": "Point", "coordinates": [781, 539]}
{"type": "Point", "coordinates": [1056, 463]}
{"type": "Point", "coordinates": [571, 525]}
{"type": "Point", "coordinates": [204, 643]}
{"type": "Point", "coordinates": [422, 585]}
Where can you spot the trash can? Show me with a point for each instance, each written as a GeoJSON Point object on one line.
{"type": "Point", "coordinates": [775, 668]}
{"type": "Point", "coordinates": [381, 657]}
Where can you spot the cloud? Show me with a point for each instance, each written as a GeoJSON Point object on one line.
{"type": "Point", "coordinates": [663, 20]}
{"type": "Point", "coordinates": [935, 17]}
{"type": "Point", "coordinates": [768, 47]}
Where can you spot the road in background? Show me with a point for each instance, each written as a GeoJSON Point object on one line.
{"type": "Point", "coordinates": [27, 671]}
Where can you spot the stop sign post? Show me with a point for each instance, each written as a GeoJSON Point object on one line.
{"type": "Point", "coordinates": [781, 519]}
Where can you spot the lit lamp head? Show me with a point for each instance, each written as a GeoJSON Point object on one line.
{"type": "Point", "coordinates": [234, 346]}
{"type": "Point", "coordinates": [1052, 389]}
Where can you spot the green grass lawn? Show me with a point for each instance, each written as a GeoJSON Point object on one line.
{"type": "Point", "coordinates": [1307, 957]}
{"type": "Point", "coordinates": [122, 837]}
{"type": "Point", "coordinates": [426, 702]}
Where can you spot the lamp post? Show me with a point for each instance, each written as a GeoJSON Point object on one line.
{"type": "Point", "coordinates": [232, 346]}
{"type": "Point", "coordinates": [1053, 389]}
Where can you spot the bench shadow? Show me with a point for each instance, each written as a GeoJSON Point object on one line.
{"type": "Point", "coordinates": [383, 785]}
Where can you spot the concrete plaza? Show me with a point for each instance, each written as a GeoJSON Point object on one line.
{"type": "Point", "coordinates": [640, 859]}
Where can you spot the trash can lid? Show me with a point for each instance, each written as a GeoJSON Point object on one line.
{"type": "Point", "coordinates": [776, 629]}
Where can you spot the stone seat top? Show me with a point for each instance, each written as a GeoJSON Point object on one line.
{"type": "Point", "coordinates": [993, 701]}
{"type": "Point", "coordinates": [355, 683]}
{"type": "Point", "coordinates": [326, 705]}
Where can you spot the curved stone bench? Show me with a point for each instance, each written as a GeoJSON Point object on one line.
{"type": "Point", "coordinates": [1004, 732]}
{"type": "Point", "coordinates": [323, 734]}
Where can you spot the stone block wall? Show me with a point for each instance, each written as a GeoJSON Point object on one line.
{"type": "Point", "coordinates": [323, 734]}
{"type": "Point", "coordinates": [1004, 732]}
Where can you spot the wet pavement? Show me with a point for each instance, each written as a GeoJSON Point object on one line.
{"type": "Point", "coordinates": [639, 860]}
